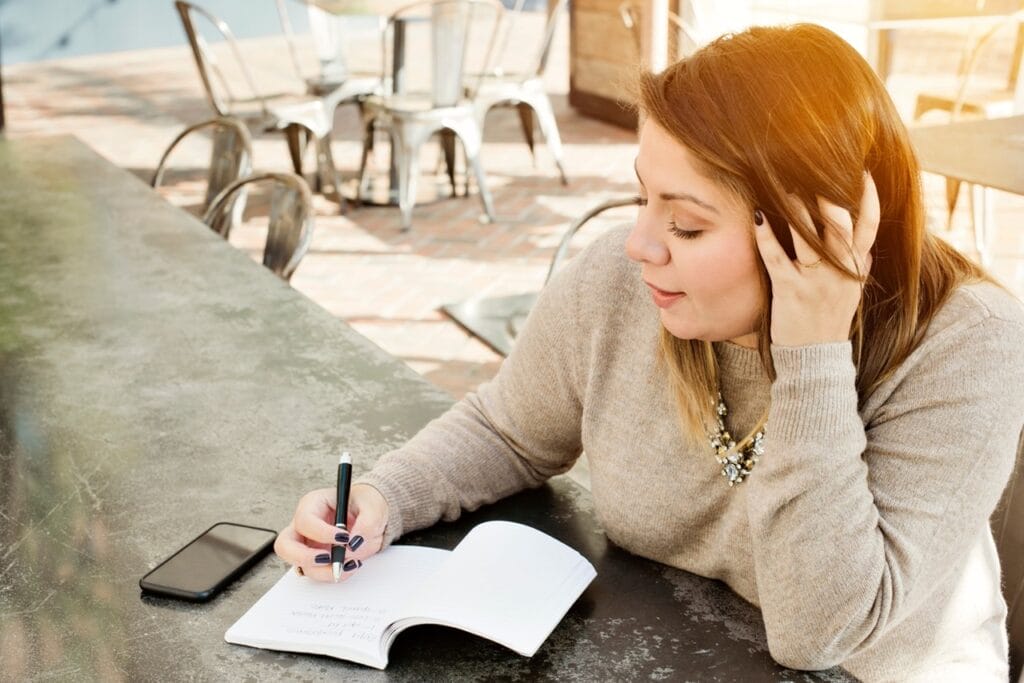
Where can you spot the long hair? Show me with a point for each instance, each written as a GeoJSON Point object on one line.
{"type": "Point", "coordinates": [795, 110]}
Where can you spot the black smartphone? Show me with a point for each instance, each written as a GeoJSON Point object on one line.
{"type": "Point", "coordinates": [210, 562]}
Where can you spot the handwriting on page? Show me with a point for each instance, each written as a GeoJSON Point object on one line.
{"type": "Point", "coordinates": [362, 623]}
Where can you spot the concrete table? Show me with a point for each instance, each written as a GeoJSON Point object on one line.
{"type": "Point", "coordinates": [154, 380]}
{"type": "Point", "coordinates": [988, 153]}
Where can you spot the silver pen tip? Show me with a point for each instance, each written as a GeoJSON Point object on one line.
{"type": "Point", "coordinates": [336, 568]}
{"type": "Point", "coordinates": [345, 459]}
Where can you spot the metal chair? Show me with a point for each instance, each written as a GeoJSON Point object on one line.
{"type": "Point", "coordinates": [1008, 530]}
{"type": "Point", "coordinates": [445, 104]}
{"type": "Point", "coordinates": [290, 227]}
{"type": "Point", "coordinates": [230, 159]}
{"type": "Point", "coordinates": [300, 116]}
{"type": "Point", "coordinates": [328, 31]}
{"type": "Point", "coordinates": [526, 93]}
{"type": "Point", "coordinates": [967, 101]}
{"type": "Point", "coordinates": [684, 37]}
{"type": "Point", "coordinates": [497, 320]}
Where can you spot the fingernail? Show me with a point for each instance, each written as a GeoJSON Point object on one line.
{"type": "Point", "coordinates": [758, 217]}
{"type": "Point", "coordinates": [355, 542]}
{"type": "Point", "coordinates": [352, 565]}
{"type": "Point", "coordinates": [341, 537]}
{"type": "Point", "coordinates": [322, 558]}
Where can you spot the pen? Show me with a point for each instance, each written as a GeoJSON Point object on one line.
{"type": "Point", "coordinates": [341, 511]}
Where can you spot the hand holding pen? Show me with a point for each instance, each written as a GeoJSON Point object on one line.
{"type": "Point", "coordinates": [308, 542]}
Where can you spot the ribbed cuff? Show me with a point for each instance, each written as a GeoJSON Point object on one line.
{"type": "Point", "coordinates": [814, 392]}
{"type": "Point", "coordinates": [403, 488]}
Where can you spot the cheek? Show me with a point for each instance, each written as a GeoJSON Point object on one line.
{"type": "Point", "coordinates": [724, 269]}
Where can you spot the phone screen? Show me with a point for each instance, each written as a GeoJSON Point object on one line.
{"type": "Point", "coordinates": [209, 562]}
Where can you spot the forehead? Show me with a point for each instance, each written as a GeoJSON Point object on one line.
{"type": "Point", "coordinates": [665, 165]}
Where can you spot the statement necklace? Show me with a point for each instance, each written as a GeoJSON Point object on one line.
{"type": "Point", "coordinates": [736, 462]}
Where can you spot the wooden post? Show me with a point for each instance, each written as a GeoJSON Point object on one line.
{"type": "Point", "coordinates": [654, 39]}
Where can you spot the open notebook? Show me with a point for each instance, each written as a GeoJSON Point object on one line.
{"type": "Point", "coordinates": [506, 582]}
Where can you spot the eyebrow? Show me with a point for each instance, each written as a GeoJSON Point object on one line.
{"type": "Point", "coordinates": [674, 196]}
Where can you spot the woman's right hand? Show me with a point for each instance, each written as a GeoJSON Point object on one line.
{"type": "Point", "coordinates": [306, 543]}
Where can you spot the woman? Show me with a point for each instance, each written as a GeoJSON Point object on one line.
{"type": "Point", "coordinates": [778, 285]}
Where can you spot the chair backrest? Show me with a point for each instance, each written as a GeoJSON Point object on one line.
{"type": "Point", "coordinates": [563, 247]}
{"type": "Point", "coordinates": [517, 318]}
{"type": "Point", "coordinates": [973, 59]}
{"type": "Point", "coordinates": [549, 36]}
{"type": "Point", "coordinates": [458, 35]}
{"type": "Point", "coordinates": [684, 29]}
{"type": "Point", "coordinates": [1008, 530]}
{"type": "Point", "coordinates": [216, 83]}
{"type": "Point", "coordinates": [290, 226]}
{"type": "Point", "coordinates": [230, 154]}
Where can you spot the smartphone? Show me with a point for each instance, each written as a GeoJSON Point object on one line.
{"type": "Point", "coordinates": [207, 564]}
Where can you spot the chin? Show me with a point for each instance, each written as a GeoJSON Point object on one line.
{"type": "Point", "coordinates": [686, 330]}
{"type": "Point", "coordinates": [681, 329]}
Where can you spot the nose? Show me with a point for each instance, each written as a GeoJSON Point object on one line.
{"type": "Point", "coordinates": [644, 243]}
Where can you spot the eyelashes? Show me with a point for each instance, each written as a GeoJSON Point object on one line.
{"type": "Point", "coordinates": [680, 233]}
{"type": "Point", "coordinates": [674, 228]}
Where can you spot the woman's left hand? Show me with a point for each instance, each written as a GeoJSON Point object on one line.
{"type": "Point", "coordinates": [813, 302]}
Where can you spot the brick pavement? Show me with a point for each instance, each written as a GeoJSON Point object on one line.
{"type": "Point", "coordinates": [361, 268]}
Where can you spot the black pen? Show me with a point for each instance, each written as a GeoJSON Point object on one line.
{"type": "Point", "coordinates": [341, 511]}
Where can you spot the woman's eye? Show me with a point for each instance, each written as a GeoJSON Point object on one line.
{"type": "Point", "coordinates": [680, 233]}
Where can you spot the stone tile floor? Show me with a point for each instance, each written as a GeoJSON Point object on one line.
{"type": "Point", "coordinates": [385, 283]}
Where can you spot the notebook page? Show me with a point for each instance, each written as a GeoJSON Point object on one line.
{"type": "Point", "coordinates": [506, 582]}
{"type": "Point", "coordinates": [343, 620]}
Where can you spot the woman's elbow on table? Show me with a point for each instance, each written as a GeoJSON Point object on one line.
{"type": "Point", "coordinates": [800, 650]}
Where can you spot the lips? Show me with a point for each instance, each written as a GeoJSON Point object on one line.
{"type": "Point", "coordinates": [662, 298]}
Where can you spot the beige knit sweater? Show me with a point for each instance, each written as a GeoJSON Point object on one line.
{"type": "Point", "coordinates": [862, 536]}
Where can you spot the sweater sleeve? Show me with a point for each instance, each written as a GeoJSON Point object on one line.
{"type": "Point", "coordinates": [852, 526]}
{"type": "Point", "coordinates": [515, 432]}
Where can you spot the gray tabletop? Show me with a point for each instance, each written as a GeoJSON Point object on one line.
{"type": "Point", "coordinates": [153, 381]}
{"type": "Point", "coordinates": [989, 152]}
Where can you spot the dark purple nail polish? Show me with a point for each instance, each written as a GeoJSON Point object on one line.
{"type": "Point", "coordinates": [352, 565]}
{"type": "Point", "coordinates": [758, 217]}
{"type": "Point", "coordinates": [322, 558]}
{"type": "Point", "coordinates": [341, 537]}
{"type": "Point", "coordinates": [355, 542]}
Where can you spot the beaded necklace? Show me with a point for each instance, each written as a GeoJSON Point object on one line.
{"type": "Point", "coordinates": [736, 463]}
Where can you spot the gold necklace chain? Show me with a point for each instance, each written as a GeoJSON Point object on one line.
{"type": "Point", "coordinates": [736, 462]}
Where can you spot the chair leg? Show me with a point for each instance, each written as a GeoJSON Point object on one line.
{"type": "Point", "coordinates": [364, 181]}
{"type": "Point", "coordinates": [328, 171]}
{"type": "Point", "coordinates": [982, 222]}
{"type": "Point", "coordinates": [526, 122]}
{"type": "Point", "coordinates": [293, 134]}
{"type": "Point", "coordinates": [549, 127]}
{"type": "Point", "coordinates": [469, 133]}
{"type": "Point", "coordinates": [448, 147]}
{"type": "Point", "coordinates": [952, 193]}
{"type": "Point", "coordinates": [406, 148]}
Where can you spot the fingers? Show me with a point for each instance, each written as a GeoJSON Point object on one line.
{"type": "Point", "coordinates": [307, 542]}
{"type": "Point", "coordinates": [776, 261]}
{"type": "Point", "coordinates": [866, 230]}
{"type": "Point", "coordinates": [804, 253]}
{"type": "Point", "coordinates": [314, 517]}
{"type": "Point", "coordinates": [371, 518]}
{"type": "Point", "coordinates": [314, 561]}
{"type": "Point", "coordinates": [838, 231]}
